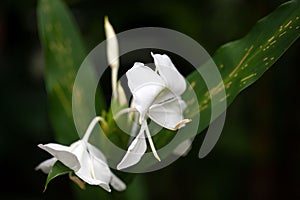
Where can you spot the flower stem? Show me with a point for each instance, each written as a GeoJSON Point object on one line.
{"type": "Point", "coordinates": [123, 111]}
{"type": "Point", "coordinates": [114, 77]}
{"type": "Point", "coordinates": [91, 127]}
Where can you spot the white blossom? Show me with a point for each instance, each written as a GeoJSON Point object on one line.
{"type": "Point", "coordinates": [156, 95]}
{"type": "Point", "coordinates": [87, 161]}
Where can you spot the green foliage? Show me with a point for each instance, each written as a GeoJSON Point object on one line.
{"type": "Point", "coordinates": [240, 63]}
{"type": "Point", "coordinates": [58, 169]}
{"type": "Point", "coordinates": [63, 52]}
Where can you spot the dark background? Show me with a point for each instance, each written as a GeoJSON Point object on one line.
{"type": "Point", "coordinates": [257, 156]}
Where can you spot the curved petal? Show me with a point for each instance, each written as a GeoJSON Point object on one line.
{"type": "Point", "coordinates": [164, 95]}
{"type": "Point", "coordinates": [140, 74]}
{"type": "Point", "coordinates": [168, 114]}
{"type": "Point", "coordinates": [96, 152]}
{"type": "Point", "coordinates": [144, 97]}
{"type": "Point", "coordinates": [135, 151]}
{"type": "Point", "coordinates": [174, 80]}
{"type": "Point", "coordinates": [90, 166]}
{"type": "Point", "coordinates": [63, 154]}
{"type": "Point", "coordinates": [46, 165]}
{"type": "Point", "coordinates": [101, 172]}
{"type": "Point", "coordinates": [116, 183]}
{"type": "Point", "coordinates": [85, 172]}
{"type": "Point", "coordinates": [145, 85]}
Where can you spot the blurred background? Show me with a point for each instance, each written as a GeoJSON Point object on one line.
{"type": "Point", "coordinates": [258, 154]}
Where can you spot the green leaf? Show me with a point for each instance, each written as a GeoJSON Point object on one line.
{"type": "Point", "coordinates": [58, 169]}
{"type": "Point", "coordinates": [240, 63]}
{"type": "Point", "coordinates": [63, 52]}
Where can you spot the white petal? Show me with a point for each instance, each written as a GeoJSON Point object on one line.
{"type": "Point", "coordinates": [96, 152]}
{"type": "Point", "coordinates": [117, 183]}
{"type": "Point", "coordinates": [144, 97]}
{"type": "Point", "coordinates": [101, 172]}
{"type": "Point", "coordinates": [93, 170]}
{"type": "Point", "coordinates": [46, 165]}
{"type": "Point", "coordinates": [85, 172]}
{"type": "Point", "coordinates": [85, 175]}
{"type": "Point", "coordinates": [174, 80]}
{"type": "Point", "coordinates": [183, 148]}
{"type": "Point", "coordinates": [163, 96]}
{"type": "Point", "coordinates": [105, 186]}
{"type": "Point", "coordinates": [145, 85]}
{"type": "Point", "coordinates": [135, 151]}
{"type": "Point", "coordinates": [63, 154]}
{"type": "Point", "coordinates": [167, 114]}
{"type": "Point", "coordinates": [112, 44]}
{"type": "Point", "coordinates": [100, 169]}
{"type": "Point", "coordinates": [140, 74]}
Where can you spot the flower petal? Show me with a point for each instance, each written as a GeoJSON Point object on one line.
{"type": "Point", "coordinates": [46, 165]}
{"type": "Point", "coordinates": [93, 170]}
{"type": "Point", "coordinates": [174, 80]}
{"type": "Point", "coordinates": [145, 85]}
{"type": "Point", "coordinates": [101, 172]}
{"type": "Point", "coordinates": [135, 151]}
{"type": "Point", "coordinates": [63, 154]}
{"type": "Point", "coordinates": [117, 183]}
{"type": "Point", "coordinates": [140, 74]}
{"type": "Point", "coordinates": [168, 114]}
{"type": "Point", "coordinates": [96, 152]}
{"type": "Point", "coordinates": [85, 172]}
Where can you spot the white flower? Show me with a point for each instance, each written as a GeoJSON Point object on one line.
{"type": "Point", "coordinates": [88, 163]}
{"type": "Point", "coordinates": [156, 95]}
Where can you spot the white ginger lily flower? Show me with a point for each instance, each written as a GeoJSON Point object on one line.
{"type": "Point", "coordinates": [87, 161]}
{"type": "Point", "coordinates": [156, 95]}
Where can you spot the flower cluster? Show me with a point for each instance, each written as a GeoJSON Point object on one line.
{"type": "Point", "coordinates": [156, 96]}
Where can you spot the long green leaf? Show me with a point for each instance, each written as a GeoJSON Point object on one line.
{"type": "Point", "coordinates": [240, 63]}
{"type": "Point", "coordinates": [64, 53]}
